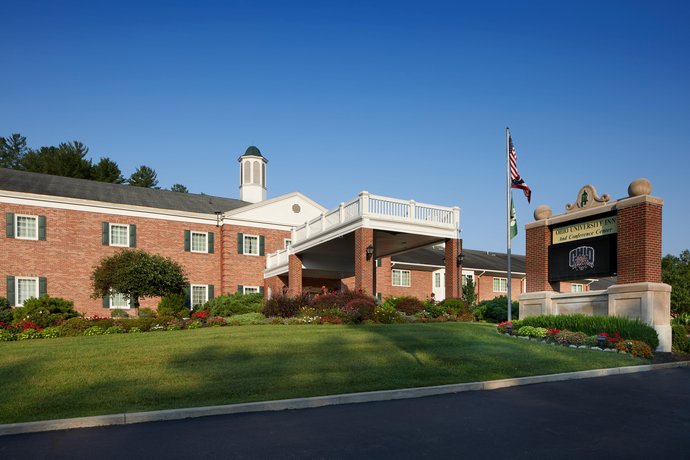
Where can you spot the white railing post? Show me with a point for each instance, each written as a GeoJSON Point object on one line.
{"type": "Point", "coordinates": [363, 203]}
{"type": "Point", "coordinates": [293, 235]}
{"type": "Point", "coordinates": [323, 223]}
{"type": "Point", "coordinates": [413, 208]}
{"type": "Point", "coordinates": [341, 213]}
{"type": "Point", "coordinates": [456, 217]}
{"type": "Point", "coordinates": [306, 230]}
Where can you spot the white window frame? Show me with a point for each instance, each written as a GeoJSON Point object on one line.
{"type": "Point", "coordinates": [287, 242]}
{"type": "Point", "coordinates": [16, 227]}
{"type": "Point", "coordinates": [467, 274]}
{"type": "Point", "coordinates": [191, 294]}
{"type": "Point", "coordinates": [402, 280]}
{"type": "Point", "coordinates": [250, 289]}
{"type": "Point", "coordinates": [17, 279]}
{"type": "Point", "coordinates": [500, 280]}
{"type": "Point", "coordinates": [111, 301]}
{"type": "Point", "coordinates": [577, 287]}
{"type": "Point", "coordinates": [437, 280]}
{"type": "Point", "coordinates": [191, 241]}
{"type": "Point", "coordinates": [244, 245]}
{"type": "Point", "coordinates": [110, 235]}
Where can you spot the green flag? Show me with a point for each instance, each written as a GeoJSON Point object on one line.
{"type": "Point", "coordinates": [513, 219]}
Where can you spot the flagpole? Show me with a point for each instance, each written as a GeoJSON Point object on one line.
{"type": "Point", "coordinates": [509, 303]}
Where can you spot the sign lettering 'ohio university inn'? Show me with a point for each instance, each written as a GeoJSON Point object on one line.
{"type": "Point", "coordinates": [583, 250]}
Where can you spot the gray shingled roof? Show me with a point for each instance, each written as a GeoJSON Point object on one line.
{"type": "Point", "coordinates": [45, 184]}
{"type": "Point", "coordinates": [482, 260]}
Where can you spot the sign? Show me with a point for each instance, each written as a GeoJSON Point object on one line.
{"type": "Point", "coordinates": [577, 260]}
{"type": "Point", "coordinates": [582, 230]}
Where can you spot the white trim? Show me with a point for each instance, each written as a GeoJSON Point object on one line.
{"type": "Point", "coordinates": [572, 287]}
{"type": "Point", "coordinates": [191, 241]}
{"type": "Point", "coordinates": [110, 301]}
{"type": "Point", "coordinates": [273, 200]}
{"type": "Point", "coordinates": [110, 235]}
{"type": "Point", "coordinates": [244, 289]}
{"type": "Point", "coordinates": [191, 293]}
{"type": "Point", "coordinates": [244, 245]}
{"type": "Point", "coordinates": [485, 270]}
{"type": "Point", "coordinates": [394, 263]}
{"type": "Point", "coordinates": [493, 284]}
{"type": "Point", "coordinates": [409, 278]}
{"type": "Point", "coordinates": [16, 226]}
{"type": "Point", "coordinates": [16, 289]}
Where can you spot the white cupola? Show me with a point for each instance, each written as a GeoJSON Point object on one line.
{"type": "Point", "coordinates": [252, 175]}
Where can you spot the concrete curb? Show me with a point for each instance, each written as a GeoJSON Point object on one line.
{"type": "Point", "coordinates": [318, 401]}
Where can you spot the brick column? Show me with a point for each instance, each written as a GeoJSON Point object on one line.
{"type": "Point", "coordinates": [453, 270]}
{"type": "Point", "coordinates": [295, 274]}
{"type": "Point", "coordinates": [538, 239]}
{"type": "Point", "coordinates": [639, 240]}
{"type": "Point", "coordinates": [365, 270]}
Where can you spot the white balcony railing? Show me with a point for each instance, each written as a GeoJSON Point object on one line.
{"type": "Point", "coordinates": [368, 205]}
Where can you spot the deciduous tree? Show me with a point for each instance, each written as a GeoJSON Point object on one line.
{"type": "Point", "coordinates": [676, 272]}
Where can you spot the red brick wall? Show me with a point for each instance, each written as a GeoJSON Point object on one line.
{"type": "Point", "coordinates": [639, 243]}
{"type": "Point", "coordinates": [453, 270]}
{"type": "Point", "coordinates": [485, 287]}
{"type": "Point", "coordinates": [245, 269]}
{"type": "Point", "coordinates": [73, 248]}
{"type": "Point", "coordinates": [364, 269]}
{"type": "Point", "coordinates": [537, 242]}
{"type": "Point", "coordinates": [295, 274]}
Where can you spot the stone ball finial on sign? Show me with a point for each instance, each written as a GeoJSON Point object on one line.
{"type": "Point", "coordinates": [542, 212]}
{"type": "Point", "coordinates": [639, 187]}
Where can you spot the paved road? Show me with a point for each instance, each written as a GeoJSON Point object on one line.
{"type": "Point", "coordinates": [645, 415]}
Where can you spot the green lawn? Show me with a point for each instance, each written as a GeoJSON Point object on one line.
{"type": "Point", "coordinates": [80, 376]}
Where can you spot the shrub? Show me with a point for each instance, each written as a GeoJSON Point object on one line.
{"type": "Point", "coordinates": [632, 329]}
{"type": "Point", "coordinates": [235, 304]}
{"type": "Point", "coordinates": [119, 313]}
{"type": "Point", "coordinates": [339, 299]}
{"type": "Point", "coordinates": [7, 336]}
{"type": "Point", "coordinates": [246, 318]}
{"type": "Point", "coordinates": [114, 330]}
{"type": "Point", "coordinates": [530, 331]}
{"type": "Point", "coordinates": [173, 305]}
{"type": "Point", "coordinates": [503, 326]}
{"type": "Point", "coordinates": [28, 334]}
{"type": "Point", "coordinates": [134, 330]}
{"type": "Point", "coordinates": [680, 343]}
{"type": "Point", "coordinates": [216, 321]}
{"type": "Point", "coordinates": [74, 326]}
{"type": "Point", "coordinates": [406, 304]}
{"type": "Point", "coordinates": [6, 311]}
{"type": "Point", "coordinates": [45, 311]}
{"type": "Point", "coordinates": [433, 310]}
{"type": "Point", "coordinates": [196, 324]}
{"type": "Point", "coordinates": [94, 330]}
{"type": "Point", "coordinates": [285, 306]}
{"type": "Point", "coordinates": [570, 338]}
{"type": "Point", "coordinates": [496, 310]}
{"type": "Point", "coordinates": [636, 348]}
{"type": "Point", "coordinates": [50, 333]}
{"type": "Point", "coordinates": [146, 313]}
{"type": "Point", "coordinates": [359, 309]}
{"type": "Point", "coordinates": [386, 314]}
{"type": "Point", "coordinates": [202, 314]}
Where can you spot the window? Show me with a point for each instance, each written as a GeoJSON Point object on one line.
{"type": "Point", "coordinates": [287, 243]}
{"type": "Point", "coordinates": [26, 288]}
{"type": "Point", "coordinates": [199, 294]}
{"type": "Point", "coordinates": [576, 287]}
{"type": "Point", "coordinates": [119, 235]}
{"type": "Point", "coordinates": [401, 278]}
{"type": "Point", "coordinates": [251, 289]}
{"type": "Point", "coordinates": [251, 245]}
{"type": "Point", "coordinates": [500, 285]}
{"type": "Point", "coordinates": [199, 242]}
{"type": "Point", "coordinates": [27, 227]}
{"type": "Point", "coordinates": [437, 280]}
{"type": "Point", "coordinates": [118, 300]}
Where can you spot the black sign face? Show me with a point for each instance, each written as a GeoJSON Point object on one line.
{"type": "Point", "coordinates": [586, 258]}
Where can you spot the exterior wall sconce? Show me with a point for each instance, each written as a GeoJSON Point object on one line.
{"type": "Point", "coordinates": [461, 257]}
{"type": "Point", "coordinates": [218, 216]}
{"type": "Point", "coordinates": [370, 251]}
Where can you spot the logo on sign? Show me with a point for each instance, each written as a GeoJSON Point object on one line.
{"type": "Point", "coordinates": [581, 258]}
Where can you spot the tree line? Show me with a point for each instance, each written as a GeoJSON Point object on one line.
{"type": "Point", "coordinates": [68, 159]}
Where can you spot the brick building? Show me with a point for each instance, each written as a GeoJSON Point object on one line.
{"type": "Point", "coordinates": [58, 228]}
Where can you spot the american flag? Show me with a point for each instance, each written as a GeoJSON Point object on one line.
{"type": "Point", "coordinates": [515, 180]}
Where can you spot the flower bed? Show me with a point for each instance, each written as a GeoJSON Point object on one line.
{"type": "Point", "coordinates": [602, 341]}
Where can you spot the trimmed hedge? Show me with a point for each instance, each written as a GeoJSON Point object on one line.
{"type": "Point", "coordinates": [632, 329]}
{"type": "Point", "coordinates": [680, 343]}
{"type": "Point", "coordinates": [235, 304]}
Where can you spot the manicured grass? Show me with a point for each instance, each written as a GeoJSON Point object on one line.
{"type": "Point", "coordinates": [80, 376]}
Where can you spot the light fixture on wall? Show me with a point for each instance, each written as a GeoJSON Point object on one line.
{"type": "Point", "coordinates": [218, 216]}
{"type": "Point", "coordinates": [370, 251]}
{"type": "Point", "coordinates": [461, 257]}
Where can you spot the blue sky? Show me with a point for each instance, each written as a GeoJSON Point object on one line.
{"type": "Point", "coordinates": [404, 99]}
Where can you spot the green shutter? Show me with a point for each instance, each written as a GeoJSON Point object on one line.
{"type": "Point", "coordinates": [240, 289]}
{"type": "Point", "coordinates": [211, 292]}
{"type": "Point", "coordinates": [132, 236]}
{"type": "Point", "coordinates": [261, 245]}
{"type": "Point", "coordinates": [187, 296]}
{"type": "Point", "coordinates": [42, 286]}
{"type": "Point", "coordinates": [211, 241]}
{"type": "Point", "coordinates": [10, 291]}
{"type": "Point", "coordinates": [9, 224]}
{"type": "Point", "coordinates": [42, 228]}
{"type": "Point", "coordinates": [261, 290]}
{"type": "Point", "coordinates": [187, 240]}
{"type": "Point", "coordinates": [240, 243]}
{"type": "Point", "coordinates": [106, 301]}
{"type": "Point", "coordinates": [379, 262]}
{"type": "Point", "coordinates": [105, 233]}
